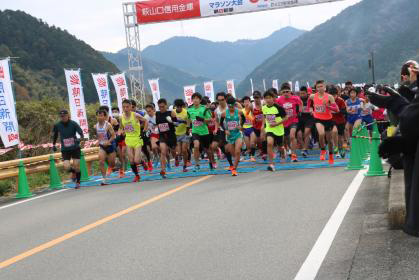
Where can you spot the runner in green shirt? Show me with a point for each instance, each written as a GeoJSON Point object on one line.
{"type": "Point", "coordinates": [198, 118]}
{"type": "Point", "coordinates": [274, 116]}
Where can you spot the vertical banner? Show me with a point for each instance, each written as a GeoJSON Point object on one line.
{"type": "Point", "coordinates": [155, 90]}
{"type": "Point", "coordinates": [251, 86]}
{"type": "Point", "coordinates": [230, 88]}
{"type": "Point", "coordinates": [275, 84]}
{"type": "Point", "coordinates": [9, 129]}
{"type": "Point", "coordinates": [264, 85]}
{"type": "Point", "coordinates": [102, 88]}
{"type": "Point", "coordinates": [188, 91]}
{"type": "Point", "coordinates": [290, 83]}
{"type": "Point", "coordinates": [297, 86]}
{"type": "Point", "coordinates": [76, 99]}
{"type": "Point", "coordinates": [209, 90]}
{"type": "Point", "coordinates": [121, 88]}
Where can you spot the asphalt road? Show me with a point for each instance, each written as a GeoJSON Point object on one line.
{"type": "Point", "coordinates": [255, 226]}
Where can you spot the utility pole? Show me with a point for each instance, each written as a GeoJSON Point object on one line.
{"type": "Point", "coordinates": [371, 65]}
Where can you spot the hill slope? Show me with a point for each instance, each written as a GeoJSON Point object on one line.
{"type": "Point", "coordinates": [43, 51]}
{"type": "Point", "coordinates": [219, 60]}
{"type": "Point", "coordinates": [339, 49]}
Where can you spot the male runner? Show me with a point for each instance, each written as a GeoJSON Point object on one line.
{"type": "Point", "coordinates": [274, 117]}
{"type": "Point", "coordinates": [249, 132]}
{"type": "Point", "coordinates": [305, 121]}
{"type": "Point", "coordinates": [70, 145]}
{"type": "Point", "coordinates": [120, 141]}
{"type": "Point", "coordinates": [183, 139]}
{"type": "Point", "coordinates": [130, 125]}
{"type": "Point", "coordinates": [167, 138]}
{"type": "Point", "coordinates": [258, 121]}
{"type": "Point", "coordinates": [339, 120]}
{"type": "Point", "coordinates": [199, 117]}
{"type": "Point", "coordinates": [107, 145]}
{"type": "Point", "coordinates": [222, 107]}
{"type": "Point", "coordinates": [232, 129]}
{"type": "Point", "coordinates": [354, 108]}
{"type": "Point", "coordinates": [324, 105]}
{"type": "Point", "coordinates": [291, 104]}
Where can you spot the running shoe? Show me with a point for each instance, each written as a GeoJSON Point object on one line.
{"type": "Point", "coordinates": [188, 164]}
{"type": "Point", "coordinates": [215, 165]}
{"type": "Point", "coordinates": [185, 169]}
{"type": "Point", "coordinates": [231, 168]}
{"type": "Point", "coordinates": [121, 173]}
{"type": "Point", "coordinates": [150, 166]}
{"type": "Point", "coordinates": [252, 159]}
{"type": "Point", "coordinates": [109, 172]}
{"type": "Point", "coordinates": [234, 172]}
{"type": "Point", "coordinates": [294, 158]}
{"type": "Point", "coordinates": [77, 186]}
{"type": "Point", "coordinates": [176, 161]}
{"type": "Point", "coordinates": [304, 153]}
{"type": "Point", "coordinates": [163, 174]}
{"type": "Point", "coordinates": [335, 150]}
{"type": "Point", "coordinates": [331, 159]}
{"type": "Point", "coordinates": [271, 167]}
{"type": "Point", "coordinates": [196, 168]}
{"type": "Point", "coordinates": [323, 155]}
{"type": "Point", "coordinates": [104, 183]}
{"type": "Point", "coordinates": [136, 178]}
{"type": "Point", "coordinates": [342, 153]}
{"type": "Point", "coordinates": [145, 166]}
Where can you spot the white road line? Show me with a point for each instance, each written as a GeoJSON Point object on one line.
{"type": "Point", "coordinates": [314, 260]}
{"type": "Point", "coordinates": [30, 199]}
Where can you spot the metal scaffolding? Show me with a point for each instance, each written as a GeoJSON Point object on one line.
{"type": "Point", "coordinates": [135, 70]}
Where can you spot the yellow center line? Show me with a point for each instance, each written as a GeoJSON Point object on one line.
{"type": "Point", "coordinates": [102, 221]}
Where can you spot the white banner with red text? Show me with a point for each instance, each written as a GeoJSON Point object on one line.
{"type": "Point", "coordinates": [9, 129]}
{"type": "Point", "coordinates": [155, 90]}
{"type": "Point", "coordinates": [121, 88]}
{"type": "Point", "coordinates": [102, 88]}
{"type": "Point", "coordinates": [152, 11]}
{"type": "Point", "coordinates": [76, 99]}
{"type": "Point", "coordinates": [209, 90]}
{"type": "Point", "coordinates": [188, 91]}
{"type": "Point", "coordinates": [230, 88]}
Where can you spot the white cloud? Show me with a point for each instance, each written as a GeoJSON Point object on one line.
{"type": "Point", "coordinates": [100, 23]}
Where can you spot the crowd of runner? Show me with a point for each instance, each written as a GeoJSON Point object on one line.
{"type": "Point", "coordinates": [235, 129]}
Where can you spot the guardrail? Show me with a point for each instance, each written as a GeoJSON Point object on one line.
{"type": "Point", "coordinates": [9, 169]}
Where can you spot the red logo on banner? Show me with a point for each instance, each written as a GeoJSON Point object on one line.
{"type": "Point", "coordinates": [154, 86]}
{"type": "Point", "coordinates": [101, 82]}
{"type": "Point", "coordinates": [166, 10]}
{"type": "Point", "coordinates": [1, 72]}
{"type": "Point", "coordinates": [120, 81]}
{"type": "Point", "coordinates": [74, 79]}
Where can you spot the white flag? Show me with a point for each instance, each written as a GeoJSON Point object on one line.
{"type": "Point", "coordinates": [209, 90]}
{"type": "Point", "coordinates": [188, 91]}
{"type": "Point", "coordinates": [9, 129]}
{"type": "Point", "coordinates": [290, 83]}
{"type": "Point", "coordinates": [297, 86]}
{"type": "Point", "coordinates": [264, 85]}
{"type": "Point", "coordinates": [121, 88]}
{"type": "Point", "coordinates": [275, 84]}
{"type": "Point", "coordinates": [102, 88]}
{"type": "Point", "coordinates": [251, 86]}
{"type": "Point", "coordinates": [76, 99]}
{"type": "Point", "coordinates": [230, 88]}
{"type": "Point", "coordinates": [155, 90]}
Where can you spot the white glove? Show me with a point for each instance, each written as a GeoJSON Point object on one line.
{"type": "Point", "coordinates": [169, 119]}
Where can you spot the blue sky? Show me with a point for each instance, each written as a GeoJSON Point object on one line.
{"type": "Point", "coordinates": [100, 23]}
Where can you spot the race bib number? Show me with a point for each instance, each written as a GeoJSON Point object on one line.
{"type": "Point", "coordinates": [197, 123]}
{"type": "Point", "coordinates": [248, 122]}
{"type": "Point", "coordinates": [259, 118]}
{"type": "Point", "coordinates": [290, 112]}
{"type": "Point", "coordinates": [163, 127]}
{"type": "Point", "coordinates": [320, 108]}
{"type": "Point", "coordinates": [271, 119]}
{"type": "Point", "coordinates": [69, 142]}
{"type": "Point", "coordinates": [232, 125]}
{"type": "Point", "coordinates": [129, 127]}
{"type": "Point", "coordinates": [101, 136]}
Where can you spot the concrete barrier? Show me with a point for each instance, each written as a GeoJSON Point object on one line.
{"type": "Point", "coordinates": [396, 201]}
